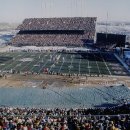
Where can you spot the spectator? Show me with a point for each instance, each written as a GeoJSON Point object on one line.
{"type": "Point", "coordinates": [63, 119]}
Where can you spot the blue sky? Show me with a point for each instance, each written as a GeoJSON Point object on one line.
{"type": "Point", "coordinates": [17, 10]}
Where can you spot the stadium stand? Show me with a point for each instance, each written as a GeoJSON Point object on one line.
{"type": "Point", "coordinates": [55, 31]}
{"type": "Point", "coordinates": [63, 119]}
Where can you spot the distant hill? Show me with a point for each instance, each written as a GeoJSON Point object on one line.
{"type": "Point", "coordinates": [7, 31]}
{"type": "Point", "coordinates": [8, 26]}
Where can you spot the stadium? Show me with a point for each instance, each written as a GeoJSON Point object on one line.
{"type": "Point", "coordinates": [56, 32]}
{"type": "Point", "coordinates": [75, 52]}
{"type": "Point", "coordinates": [60, 74]}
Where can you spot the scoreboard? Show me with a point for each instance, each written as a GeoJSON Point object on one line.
{"type": "Point", "coordinates": [110, 39]}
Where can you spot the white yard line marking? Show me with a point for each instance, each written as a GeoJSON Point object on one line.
{"type": "Point", "coordinates": [62, 64]}
{"type": "Point", "coordinates": [19, 63]}
{"type": "Point", "coordinates": [88, 64]}
{"type": "Point", "coordinates": [79, 64]}
{"type": "Point", "coordinates": [71, 63]}
{"type": "Point", "coordinates": [54, 63]}
{"type": "Point", "coordinates": [12, 62]}
{"type": "Point", "coordinates": [29, 63]}
{"type": "Point", "coordinates": [46, 63]}
{"type": "Point", "coordinates": [106, 64]}
{"type": "Point", "coordinates": [36, 63]}
{"type": "Point", "coordinates": [97, 64]}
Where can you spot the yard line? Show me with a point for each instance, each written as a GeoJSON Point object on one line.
{"type": "Point", "coordinates": [89, 67]}
{"type": "Point", "coordinates": [79, 64]}
{"type": "Point", "coordinates": [8, 54]}
{"type": "Point", "coordinates": [106, 64]}
{"type": "Point", "coordinates": [21, 65]}
{"type": "Point", "coordinates": [36, 63]}
{"type": "Point", "coordinates": [30, 62]}
{"type": "Point", "coordinates": [8, 62]}
{"type": "Point", "coordinates": [88, 64]}
{"type": "Point", "coordinates": [54, 63]}
{"type": "Point", "coordinates": [15, 67]}
{"type": "Point", "coordinates": [71, 63]}
{"type": "Point", "coordinates": [97, 64]}
{"type": "Point", "coordinates": [62, 64]}
{"type": "Point", "coordinates": [2, 62]}
{"type": "Point", "coordinates": [46, 62]}
{"type": "Point", "coordinates": [12, 61]}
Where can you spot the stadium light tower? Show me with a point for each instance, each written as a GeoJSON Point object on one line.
{"type": "Point", "coordinates": [106, 28]}
{"type": "Point", "coordinates": [41, 8]}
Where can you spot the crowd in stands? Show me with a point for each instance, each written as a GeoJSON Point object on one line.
{"type": "Point", "coordinates": [50, 40]}
{"type": "Point", "coordinates": [61, 38]}
{"type": "Point", "coordinates": [81, 23]}
{"type": "Point", "coordinates": [117, 118]}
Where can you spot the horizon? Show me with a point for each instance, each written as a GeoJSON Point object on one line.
{"type": "Point", "coordinates": [98, 22]}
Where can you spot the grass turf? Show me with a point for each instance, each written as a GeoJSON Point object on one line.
{"type": "Point", "coordinates": [89, 63]}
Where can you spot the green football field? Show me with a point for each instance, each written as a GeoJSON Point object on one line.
{"type": "Point", "coordinates": [67, 63]}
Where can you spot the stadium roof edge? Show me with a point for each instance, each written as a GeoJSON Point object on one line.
{"type": "Point", "coordinates": [57, 17]}
{"type": "Point", "coordinates": [57, 22]}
